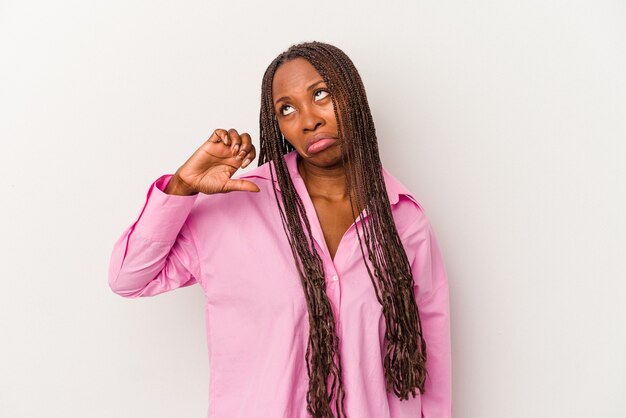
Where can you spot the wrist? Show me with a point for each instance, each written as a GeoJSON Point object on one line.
{"type": "Point", "coordinates": [178, 187]}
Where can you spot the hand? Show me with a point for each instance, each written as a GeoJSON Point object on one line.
{"type": "Point", "coordinates": [210, 168]}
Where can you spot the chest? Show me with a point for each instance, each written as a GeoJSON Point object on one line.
{"type": "Point", "coordinates": [335, 219]}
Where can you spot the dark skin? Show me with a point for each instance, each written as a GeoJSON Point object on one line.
{"type": "Point", "coordinates": [303, 108]}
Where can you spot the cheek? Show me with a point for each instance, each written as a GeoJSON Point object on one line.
{"type": "Point", "coordinates": [284, 128]}
{"type": "Point", "coordinates": [329, 115]}
{"type": "Point", "coordinates": [333, 121]}
{"type": "Point", "coordinates": [287, 131]}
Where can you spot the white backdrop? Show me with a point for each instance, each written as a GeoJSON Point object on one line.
{"type": "Point", "coordinates": [506, 119]}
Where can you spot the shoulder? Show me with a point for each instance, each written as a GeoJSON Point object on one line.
{"type": "Point", "coordinates": [238, 203]}
{"type": "Point", "coordinates": [407, 210]}
{"type": "Point", "coordinates": [261, 176]}
{"type": "Point", "coordinates": [262, 172]}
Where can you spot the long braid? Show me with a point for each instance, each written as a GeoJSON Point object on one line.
{"type": "Point", "coordinates": [388, 267]}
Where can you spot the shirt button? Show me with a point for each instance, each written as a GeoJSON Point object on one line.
{"type": "Point", "coordinates": [335, 278]}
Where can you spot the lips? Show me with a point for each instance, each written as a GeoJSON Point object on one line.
{"type": "Point", "coordinates": [319, 142]}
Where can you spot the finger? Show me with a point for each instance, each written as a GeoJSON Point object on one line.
{"type": "Point", "coordinates": [214, 136]}
{"type": "Point", "coordinates": [218, 135]}
{"type": "Point", "coordinates": [249, 158]}
{"type": "Point", "coordinates": [240, 186]}
{"type": "Point", "coordinates": [236, 141]}
{"type": "Point", "coordinates": [246, 146]}
{"type": "Point", "coordinates": [231, 135]}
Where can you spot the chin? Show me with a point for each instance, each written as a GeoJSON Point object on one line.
{"type": "Point", "coordinates": [329, 157]}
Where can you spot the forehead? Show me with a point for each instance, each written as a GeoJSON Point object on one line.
{"type": "Point", "coordinates": [293, 77]}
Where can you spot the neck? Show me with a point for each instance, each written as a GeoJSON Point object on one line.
{"type": "Point", "coordinates": [329, 183]}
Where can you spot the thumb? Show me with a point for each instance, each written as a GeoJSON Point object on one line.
{"type": "Point", "coordinates": [240, 186]}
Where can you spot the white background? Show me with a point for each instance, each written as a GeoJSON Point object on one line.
{"type": "Point", "coordinates": [506, 119]}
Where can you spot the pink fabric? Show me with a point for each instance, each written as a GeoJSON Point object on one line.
{"type": "Point", "coordinates": [235, 247]}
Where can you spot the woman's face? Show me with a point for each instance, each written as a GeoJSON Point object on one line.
{"type": "Point", "coordinates": [305, 114]}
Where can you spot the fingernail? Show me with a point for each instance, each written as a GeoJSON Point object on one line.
{"type": "Point", "coordinates": [245, 162]}
{"type": "Point", "coordinates": [236, 148]}
{"type": "Point", "coordinates": [241, 155]}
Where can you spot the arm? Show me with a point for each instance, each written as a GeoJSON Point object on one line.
{"type": "Point", "coordinates": [157, 253]}
{"type": "Point", "coordinates": [431, 293]}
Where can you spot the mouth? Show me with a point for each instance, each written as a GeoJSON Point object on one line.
{"type": "Point", "coordinates": [319, 142]}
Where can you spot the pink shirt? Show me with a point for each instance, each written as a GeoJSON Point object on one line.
{"type": "Point", "coordinates": [235, 247]}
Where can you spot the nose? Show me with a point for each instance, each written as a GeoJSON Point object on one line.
{"type": "Point", "coordinates": [311, 119]}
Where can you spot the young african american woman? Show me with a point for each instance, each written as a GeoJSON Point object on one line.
{"type": "Point", "coordinates": [326, 291]}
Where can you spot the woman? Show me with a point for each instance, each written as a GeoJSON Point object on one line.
{"type": "Point", "coordinates": [321, 235]}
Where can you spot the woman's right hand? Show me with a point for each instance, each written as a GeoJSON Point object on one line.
{"type": "Point", "coordinates": [210, 168]}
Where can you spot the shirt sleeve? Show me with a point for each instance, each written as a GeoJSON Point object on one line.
{"type": "Point", "coordinates": [157, 253]}
{"type": "Point", "coordinates": [431, 293]}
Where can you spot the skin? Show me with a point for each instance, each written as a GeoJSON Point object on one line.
{"type": "Point", "coordinates": [308, 111]}
{"type": "Point", "coordinates": [210, 167]}
{"type": "Point", "coordinates": [301, 111]}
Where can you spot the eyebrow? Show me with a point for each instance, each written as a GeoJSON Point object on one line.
{"type": "Point", "coordinates": [285, 98]}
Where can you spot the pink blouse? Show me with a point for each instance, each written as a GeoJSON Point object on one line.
{"type": "Point", "coordinates": [235, 247]}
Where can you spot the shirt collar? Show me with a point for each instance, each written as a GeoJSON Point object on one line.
{"type": "Point", "coordinates": [394, 187]}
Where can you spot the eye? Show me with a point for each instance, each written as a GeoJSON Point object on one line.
{"type": "Point", "coordinates": [282, 110]}
{"type": "Point", "coordinates": [325, 93]}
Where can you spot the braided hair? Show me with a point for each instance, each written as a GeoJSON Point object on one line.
{"type": "Point", "coordinates": [390, 270]}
